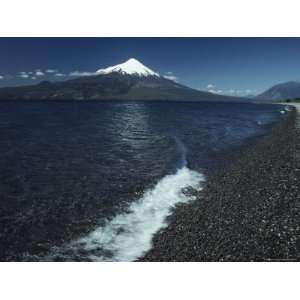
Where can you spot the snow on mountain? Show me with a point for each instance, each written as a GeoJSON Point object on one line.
{"type": "Point", "coordinates": [132, 67]}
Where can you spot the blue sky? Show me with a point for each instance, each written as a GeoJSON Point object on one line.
{"type": "Point", "coordinates": [237, 66]}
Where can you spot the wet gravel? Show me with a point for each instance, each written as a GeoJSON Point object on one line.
{"type": "Point", "coordinates": [248, 211]}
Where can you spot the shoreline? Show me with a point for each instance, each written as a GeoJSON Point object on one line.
{"type": "Point", "coordinates": [247, 211]}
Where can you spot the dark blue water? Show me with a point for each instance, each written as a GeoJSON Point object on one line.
{"type": "Point", "coordinates": [69, 168]}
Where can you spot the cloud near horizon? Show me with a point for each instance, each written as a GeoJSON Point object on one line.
{"type": "Point", "coordinates": [83, 73]}
{"type": "Point", "coordinates": [23, 75]}
{"type": "Point", "coordinates": [60, 75]}
{"type": "Point", "coordinates": [39, 73]}
{"type": "Point", "coordinates": [171, 76]}
{"type": "Point", "coordinates": [215, 91]}
{"type": "Point", "coordinates": [212, 88]}
{"type": "Point", "coordinates": [51, 71]}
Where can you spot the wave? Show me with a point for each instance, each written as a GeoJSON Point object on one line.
{"type": "Point", "coordinates": [129, 235]}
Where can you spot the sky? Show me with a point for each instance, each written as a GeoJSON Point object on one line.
{"type": "Point", "coordinates": [233, 66]}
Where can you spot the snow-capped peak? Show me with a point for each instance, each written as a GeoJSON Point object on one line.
{"type": "Point", "coordinates": [132, 67]}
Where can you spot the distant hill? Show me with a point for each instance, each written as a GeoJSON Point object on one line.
{"type": "Point", "coordinates": [128, 81]}
{"type": "Point", "coordinates": [282, 91]}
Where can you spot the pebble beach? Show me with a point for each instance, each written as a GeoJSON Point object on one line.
{"type": "Point", "coordinates": [248, 211]}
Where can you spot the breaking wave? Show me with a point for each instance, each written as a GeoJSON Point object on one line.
{"type": "Point", "coordinates": [129, 235]}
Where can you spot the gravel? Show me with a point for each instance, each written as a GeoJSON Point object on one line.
{"type": "Point", "coordinates": [248, 211]}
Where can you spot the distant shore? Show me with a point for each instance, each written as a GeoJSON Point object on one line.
{"type": "Point", "coordinates": [248, 211]}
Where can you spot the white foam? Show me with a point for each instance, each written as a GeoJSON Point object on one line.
{"type": "Point", "coordinates": [129, 235]}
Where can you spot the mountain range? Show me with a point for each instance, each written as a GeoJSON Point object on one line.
{"type": "Point", "coordinates": [282, 91]}
{"type": "Point", "coordinates": [130, 80]}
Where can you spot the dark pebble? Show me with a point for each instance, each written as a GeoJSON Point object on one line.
{"type": "Point", "coordinates": [248, 210]}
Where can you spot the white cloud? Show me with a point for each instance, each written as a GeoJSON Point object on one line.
{"type": "Point", "coordinates": [39, 73]}
{"type": "Point", "coordinates": [212, 91]}
{"type": "Point", "coordinates": [1, 77]}
{"type": "Point", "coordinates": [60, 75]}
{"type": "Point", "coordinates": [210, 86]}
{"type": "Point", "coordinates": [79, 73]}
{"type": "Point", "coordinates": [248, 92]}
{"type": "Point", "coordinates": [171, 77]}
{"type": "Point", "coordinates": [231, 91]}
{"type": "Point", "coordinates": [23, 75]}
{"type": "Point", "coordinates": [51, 71]}
{"type": "Point", "coordinates": [33, 78]}
{"type": "Point", "coordinates": [241, 92]}
{"type": "Point", "coordinates": [215, 91]}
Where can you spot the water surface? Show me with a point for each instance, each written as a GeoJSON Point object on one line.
{"type": "Point", "coordinates": [95, 180]}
